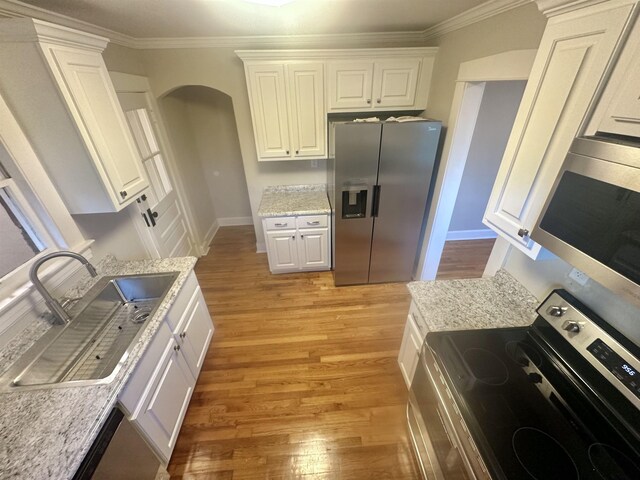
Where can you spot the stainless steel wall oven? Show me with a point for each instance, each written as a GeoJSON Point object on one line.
{"type": "Point", "coordinates": [559, 399]}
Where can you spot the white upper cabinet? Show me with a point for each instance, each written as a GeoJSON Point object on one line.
{"type": "Point", "coordinates": [269, 110]}
{"type": "Point", "coordinates": [570, 66]}
{"type": "Point", "coordinates": [62, 94]}
{"type": "Point", "coordinates": [618, 111]}
{"type": "Point", "coordinates": [287, 109]}
{"type": "Point", "coordinates": [308, 116]}
{"type": "Point", "coordinates": [387, 84]}
{"type": "Point", "coordinates": [350, 85]}
{"type": "Point", "coordinates": [291, 92]}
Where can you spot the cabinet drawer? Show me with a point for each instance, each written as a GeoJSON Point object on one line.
{"type": "Point", "coordinates": [179, 307]}
{"type": "Point", "coordinates": [133, 394]}
{"type": "Point", "coordinates": [280, 223]}
{"type": "Point", "coordinates": [311, 221]}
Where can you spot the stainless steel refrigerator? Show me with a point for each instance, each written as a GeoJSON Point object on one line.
{"type": "Point", "coordinates": [379, 179]}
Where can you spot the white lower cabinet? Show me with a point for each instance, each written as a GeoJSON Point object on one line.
{"type": "Point", "coordinates": [415, 330]}
{"type": "Point", "coordinates": [305, 247]}
{"type": "Point", "coordinates": [157, 396]}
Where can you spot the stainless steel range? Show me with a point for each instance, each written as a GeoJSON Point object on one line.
{"type": "Point", "coordinates": [558, 400]}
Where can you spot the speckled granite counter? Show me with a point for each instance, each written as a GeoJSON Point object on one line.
{"type": "Point", "coordinates": [500, 301]}
{"type": "Point", "coordinates": [45, 434]}
{"type": "Point", "coordinates": [288, 200]}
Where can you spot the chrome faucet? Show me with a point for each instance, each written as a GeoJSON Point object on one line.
{"type": "Point", "coordinates": [56, 309]}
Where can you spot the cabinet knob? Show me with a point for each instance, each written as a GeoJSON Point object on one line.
{"type": "Point", "coordinates": [176, 348]}
{"type": "Point", "coordinates": [297, 152]}
{"type": "Point", "coordinates": [287, 152]}
{"type": "Point", "coordinates": [154, 214]}
{"type": "Point", "coordinates": [378, 101]}
{"type": "Point", "coordinates": [301, 236]}
{"type": "Point", "coordinates": [123, 193]}
{"type": "Point", "coordinates": [368, 100]}
{"type": "Point", "coordinates": [293, 236]}
{"type": "Point", "coordinates": [183, 334]}
{"type": "Point", "coordinates": [523, 232]}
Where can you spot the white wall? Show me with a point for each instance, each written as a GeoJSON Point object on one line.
{"type": "Point", "coordinates": [495, 119]}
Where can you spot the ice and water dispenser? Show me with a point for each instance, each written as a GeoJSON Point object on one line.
{"type": "Point", "coordinates": [354, 201]}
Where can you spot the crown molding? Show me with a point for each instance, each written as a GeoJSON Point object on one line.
{"type": "Point", "coordinates": [552, 8]}
{"type": "Point", "coordinates": [25, 29]}
{"type": "Point", "coordinates": [279, 41]}
{"type": "Point", "coordinates": [474, 15]}
{"type": "Point", "coordinates": [335, 53]}
{"type": "Point", "coordinates": [15, 8]}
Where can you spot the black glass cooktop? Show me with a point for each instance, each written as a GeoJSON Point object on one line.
{"type": "Point", "coordinates": [530, 414]}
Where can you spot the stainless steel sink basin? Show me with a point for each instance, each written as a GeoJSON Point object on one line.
{"type": "Point", "coordinates": [91, 349]}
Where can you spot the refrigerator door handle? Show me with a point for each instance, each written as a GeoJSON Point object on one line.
{"type": "Point", "coordinates": [375, 201]}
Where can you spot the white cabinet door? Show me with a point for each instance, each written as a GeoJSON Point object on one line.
{"type": "Point", "coordinates": [395, 82]}
{"type": "Point", "coordinates": [313, 249]}
{"type": "Point", "coordinates": [306, 102]}
{"type": "Point", "coordinates": [574, 53]}
{"type": "Point", "coordinates": [350, 85]}
{"type": "Point", "coordinates": [195, 332]}
{"type": "Point", "coordinates": [269, 109]}
{"type": "Point", "coordinates": [93, 102]}
{"type": "Point", "coordinates": [409, 351]}
{"type": "Point", "coordinates": [167, 400]}
{"type": "Point", "coordinates": [283, 251]}
{"type": "Point", "coordinates": [623, 115]}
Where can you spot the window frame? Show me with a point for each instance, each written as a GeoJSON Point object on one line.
{"type": "Point", "coordinates": [36, 197]}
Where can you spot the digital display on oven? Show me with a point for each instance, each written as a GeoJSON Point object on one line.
{"type": "Point", "coordinates": [628, 375]}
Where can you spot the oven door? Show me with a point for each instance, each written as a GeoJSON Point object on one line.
{"type": "Point", "coordinates": [592, 216]}
{"type": "Point", "coordinates": [439, 435]}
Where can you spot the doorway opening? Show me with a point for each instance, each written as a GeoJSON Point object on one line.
{"type": "Point", "coordinates": [503, 72]}
{"type": "Point", "coordinates": [469, 242]}
{"type": "Point", "coordinates": [201, 126]}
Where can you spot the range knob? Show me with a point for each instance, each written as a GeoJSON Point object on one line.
{"type": "Point", "coordinates": [569, 326]}
{"type": "Point", "coordinates": [556, 311]}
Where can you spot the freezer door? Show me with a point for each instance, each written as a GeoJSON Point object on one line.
{"type": "Point", "coordinates": [357, 148]}
{"type": "Point", "coordinates": [407, 159]}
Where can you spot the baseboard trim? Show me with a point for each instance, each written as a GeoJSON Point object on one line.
{"type": "Point", "coordinates": [235, 221]}
{"type": "Point", "coordinates": [261, 247]}
{"type": "Point", "coordinates": [480, 234]}
{"type": "Point", "coordinates": [208, 238]}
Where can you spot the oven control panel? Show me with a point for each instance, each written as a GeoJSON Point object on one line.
{"type": "Point", "coordinates": [599, 348]}
{"type": "Point", "coordinates": [627, 374]}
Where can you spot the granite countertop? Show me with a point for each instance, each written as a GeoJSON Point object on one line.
{"type": "Point", "coordinates": [45, 433]}
{"type": "Point", "coordinates": [499, 301]}
{"type": "Point", "coordinates": [289, 200]}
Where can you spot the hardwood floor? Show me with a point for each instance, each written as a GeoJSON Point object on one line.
{"type": "Point", "coordinates": [464, 259]}
{"type": "Point", "coordinates": [301, 380]}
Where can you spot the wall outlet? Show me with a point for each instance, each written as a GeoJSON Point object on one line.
{"type": "Point", "coordinates": [579, 277]}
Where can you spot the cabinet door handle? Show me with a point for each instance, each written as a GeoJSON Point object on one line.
{"type": "Point", "coordinates": [183, 334]}
{"type": "Point", "coordinates": [146, 220]}
{"type": "Point", "coordinates": [176, 348]}
{"type": "Point", "coordinates": [317, 222]}
{"type": "Point", "coordinates": [152, 217]}
{"type": "Point", "coordinates": [281, 224]}
{"type": "Point", "coordinates": [123, 193]}
{"type": "Point", "coordinates": [523, 232]}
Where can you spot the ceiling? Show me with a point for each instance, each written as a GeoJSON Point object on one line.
{"type": "Point", "coordinates": [216, 18]}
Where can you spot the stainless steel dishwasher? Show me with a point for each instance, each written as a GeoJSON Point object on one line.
{"type": "Point", "coordinates": [118, 452]}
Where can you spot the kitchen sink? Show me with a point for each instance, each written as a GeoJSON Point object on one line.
{"type": "Point", "coordinates": [92, 348]}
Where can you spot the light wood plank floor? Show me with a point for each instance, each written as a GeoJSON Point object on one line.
{"type": "Point", "coordinates": [464, 259]}
{"type": "Point", "coordinates": [301, 380]}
